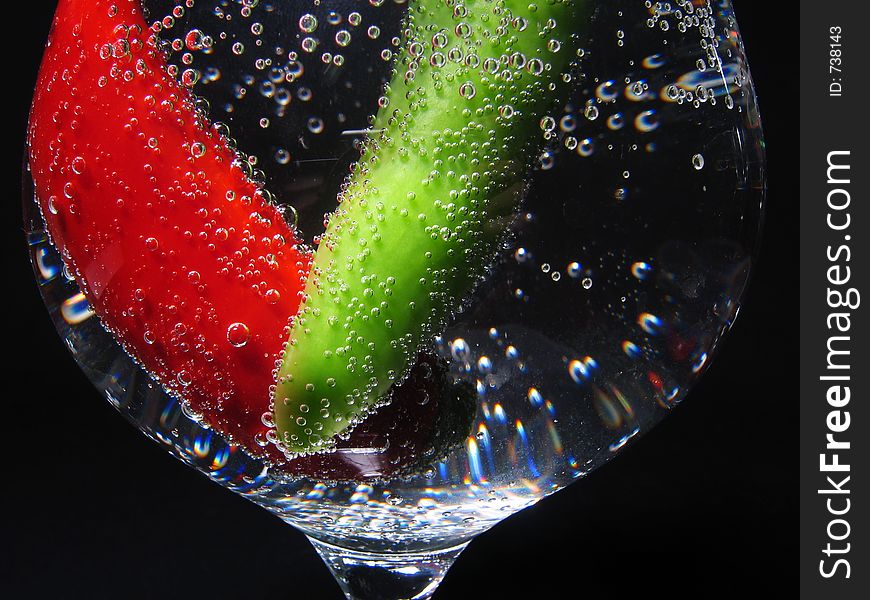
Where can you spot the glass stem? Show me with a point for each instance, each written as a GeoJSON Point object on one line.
{"type": "Point", "coordinates": [379, 576]}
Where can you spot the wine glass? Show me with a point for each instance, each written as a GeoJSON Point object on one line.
{"type": "Point", "coordinates": [635, 174]}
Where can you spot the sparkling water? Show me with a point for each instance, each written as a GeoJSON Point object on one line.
{"type": "Point", "coordinates": [623, 267]}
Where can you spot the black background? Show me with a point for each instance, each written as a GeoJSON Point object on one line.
{"type": "Point", "coordinates": [705, 504]}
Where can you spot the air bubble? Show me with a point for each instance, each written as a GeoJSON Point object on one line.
{"type": "Point", "coordinates": [238, 334]}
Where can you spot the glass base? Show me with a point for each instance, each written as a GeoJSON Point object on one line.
{"type": "Point", "coordinates": [400, 576]}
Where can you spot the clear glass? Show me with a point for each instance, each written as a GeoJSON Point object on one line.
{"type": "Point", "coordinates": [624, 268]}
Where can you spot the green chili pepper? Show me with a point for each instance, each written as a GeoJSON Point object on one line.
{"type": "Point", "coordinates": [420, 218]}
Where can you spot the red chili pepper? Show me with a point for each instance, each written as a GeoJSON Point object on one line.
{"type": "Point", "coordinates": [176, 250]}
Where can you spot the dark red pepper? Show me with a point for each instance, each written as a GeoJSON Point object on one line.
{"type": "Point", "coordinates": [176, 250]}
